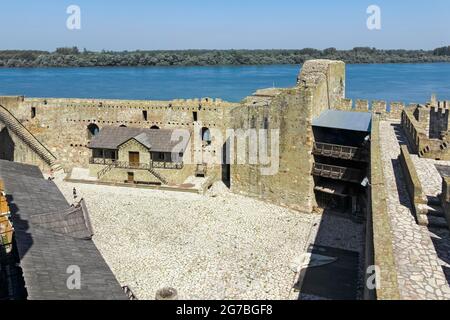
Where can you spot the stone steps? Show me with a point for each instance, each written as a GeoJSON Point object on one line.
{"type": "Point", "coordinates": [28, 138]}
{"type": "Point", "coordinates": [433, 216]}
{"type": "Point", "coordinates": [435, 211]}
{"type": "Point", "coordinates": [157, 175]}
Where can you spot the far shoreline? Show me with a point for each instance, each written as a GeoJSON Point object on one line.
{"type": "Point", "coordinates": [213, 65]}
{"type": "Point", "coordinates": [74, 57]}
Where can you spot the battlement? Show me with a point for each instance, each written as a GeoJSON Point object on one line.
{"type": "Point", "coordinates": [121, 104]}
{"type": "Point", "coordinates": [391, 110]}
{"type": "Point", "coordinates": [442, 107]}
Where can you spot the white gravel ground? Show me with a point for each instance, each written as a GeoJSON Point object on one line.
{"type": "Point", "coordinates": [207, 247]}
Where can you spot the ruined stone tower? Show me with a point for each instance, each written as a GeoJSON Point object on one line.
{"type": "Point", "coordinates": [320, 86]}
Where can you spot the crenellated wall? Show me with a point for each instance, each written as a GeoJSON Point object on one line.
{"type": "Point", "coordinates": [426, 128]}
{"type": "Point", "coordinates": [438, 121]}
{"type": "Point", "coordinates": [386, 110]}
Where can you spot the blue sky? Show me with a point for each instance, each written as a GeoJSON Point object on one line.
{"type": "Point", "coordinates": [223, 24]}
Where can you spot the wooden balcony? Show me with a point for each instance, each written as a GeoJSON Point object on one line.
{"type": "Point", "coordinates": [340, 151]}
{"type": "Point", "coordinates": [337, 173]}
{"type": "Point", "coordinates": [137, 166]}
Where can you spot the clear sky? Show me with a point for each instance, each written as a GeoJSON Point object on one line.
{"type": "Point", "coordinates": [223, 24]}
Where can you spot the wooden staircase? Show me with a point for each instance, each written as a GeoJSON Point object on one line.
{"type": "Point", "coordinates": [118, 164]}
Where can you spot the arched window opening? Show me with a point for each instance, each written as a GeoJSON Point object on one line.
{"type": "Point", "coordinates": [122, 126]}
{"type": "Point", "coordinates": [206, 136]}
{"type": "Point", "coordinates": [154, 127]}
{"type": "Point", "coordinates": [93, 130]}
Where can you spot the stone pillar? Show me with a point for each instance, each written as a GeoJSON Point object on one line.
{"type": "Point", "coordinates": [328, 77]}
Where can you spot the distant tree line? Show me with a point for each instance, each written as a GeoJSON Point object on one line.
{"type": "Point", "coordinates": [73, 57]}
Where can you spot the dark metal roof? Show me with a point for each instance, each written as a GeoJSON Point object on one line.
{"type": "Point", "coordinates": [158, 140]}
{"type": "Point", "coordinates": [344, 120]}
{"type": "Point", "coordinates": [444, 171]}
{"type": "Point", "coordinates": [51, 236]}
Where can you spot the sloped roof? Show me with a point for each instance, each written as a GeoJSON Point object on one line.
{"type": "Point", "coordinates": [158, 140]}
{"type": "Point", "coordinates": [144, 139]}
{"type": "Point", "coordinates": [344, 120]}
{"type": "Point", "coordinates": [49, 242]}
{"type": "Point", "coordinates": [73, 222]}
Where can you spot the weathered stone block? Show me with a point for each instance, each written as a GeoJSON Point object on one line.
{"type": "Point", "coordinates": [362, 105]}
{"type": "Point", "coordinates": [379, 106]}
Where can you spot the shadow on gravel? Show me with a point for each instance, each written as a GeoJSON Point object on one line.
{"type": "Point", "coordinates": [338, 280]}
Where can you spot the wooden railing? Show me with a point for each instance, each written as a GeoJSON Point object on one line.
{"type": "Point", "coordinates": [101, 161]}
{"type": "Point", "coordinates": [12, 123]}
{"type": "Point", "coordinates": [339, 151]}
{"type": "Point", "coordinates": [132, 165]}
{"type": "Point", "coordinates": [337, 173]}
{"type": "Point", "coordinates": [137, 166]}
{"type": "Point", "coordinates": [167, 165]}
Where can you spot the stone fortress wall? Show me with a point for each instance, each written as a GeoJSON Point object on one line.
{"type": "Point", "coordinates": [321, 85]}
{"type": "Point", "coordinates": [62, 124]}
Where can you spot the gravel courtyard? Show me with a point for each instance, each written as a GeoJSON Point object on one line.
{"type": "Point", "coordinates": [207, 247]}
